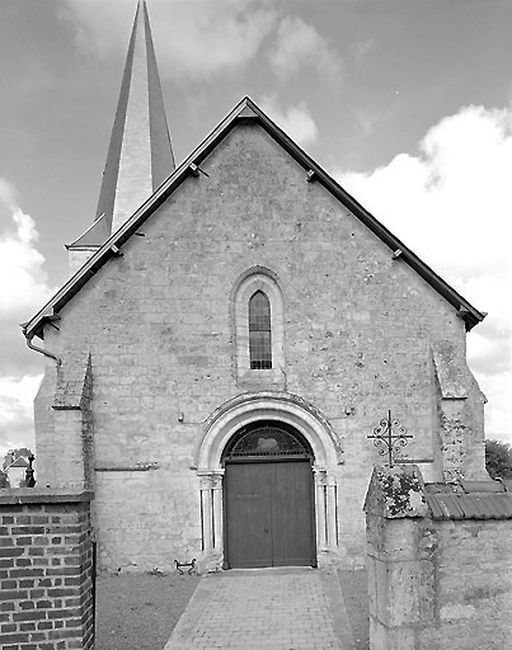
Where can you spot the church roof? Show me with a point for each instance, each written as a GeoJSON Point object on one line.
{"type": "Point", "coordinates": [21, 461]}
{"type": "Point", "coordinates": [140, 153]}
{"type": "Point", "coordinates": [246, 111]}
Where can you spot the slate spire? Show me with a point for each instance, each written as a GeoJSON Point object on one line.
{"type": "Point", "coordinates": [140, 153]}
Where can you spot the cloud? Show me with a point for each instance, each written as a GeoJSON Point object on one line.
{"type": "Point", "coordinates": [299, 45]}
{"type": "Point", "coordinates": [451, 203]}
{"type": "Point", "coordinates": [193, 38]}
{"type": "Point", "coordinates": [296, 121]}
{"type": "Point", "coordinates": [198, 38]}
{"type": "Point", "coordinates": [16, 411]}
{"type": "Point", "coordinates": [23, 287]}
{"type": "Point", "coordinates": [23, 280]}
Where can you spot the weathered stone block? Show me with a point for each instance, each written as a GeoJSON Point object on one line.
{"type": "Point", "coordinates": [455, 591]}
{"type": "Point", "coordinates": [396, 492]}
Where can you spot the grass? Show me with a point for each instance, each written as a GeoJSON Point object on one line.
{"type": "Point", "coordinates": [139, 612]}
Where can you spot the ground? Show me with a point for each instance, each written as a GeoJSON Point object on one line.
{"type": "Point", "coordinates": [139, 612]}
{"type": "Point", "coordinates": [355, 595]}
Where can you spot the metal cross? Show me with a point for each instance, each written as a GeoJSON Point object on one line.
{"type": "Point", "coordinates": [390, 435]}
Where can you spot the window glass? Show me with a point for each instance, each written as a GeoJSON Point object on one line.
{"type": "Point", "coordinates": [260, 341]}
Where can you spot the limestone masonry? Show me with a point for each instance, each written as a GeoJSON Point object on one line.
{"type": "Point", "coordinates": [439, 563]}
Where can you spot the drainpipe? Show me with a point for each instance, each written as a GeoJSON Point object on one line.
{"type": "Point", "coordinates": [28, 339]}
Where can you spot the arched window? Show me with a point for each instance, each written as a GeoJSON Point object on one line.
{"type": "Point", "coordinates": [260, 332]}
{"type": "Point", "coordinates": [258, 328]}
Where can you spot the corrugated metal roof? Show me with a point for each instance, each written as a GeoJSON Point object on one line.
{"type": "Point", "coordinates": [482, 486]}
{"type": "Point", "coordinates": [476, 505]}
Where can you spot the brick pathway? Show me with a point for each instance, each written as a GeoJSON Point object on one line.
{"type": "Point", "coordinates": [274, 609]}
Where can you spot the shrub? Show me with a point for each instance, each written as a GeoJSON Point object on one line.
{"type": "Point", "coordinates": [498, 459]}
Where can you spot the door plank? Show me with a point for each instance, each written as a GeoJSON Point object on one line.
{"type": "Point", "coordinates": [292, 530]}
{"type": "Point", "coordinates": [248, 512]}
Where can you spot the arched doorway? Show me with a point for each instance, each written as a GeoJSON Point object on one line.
{"type": "Point", "coordinates": [268, 497]}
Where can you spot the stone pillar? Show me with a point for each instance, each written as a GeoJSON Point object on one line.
{"type": "Point", "coordinates": [326, 510]}
{"type": "Point", "coordinates": [401, 570]}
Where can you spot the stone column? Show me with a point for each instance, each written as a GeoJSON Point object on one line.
{"type": "Point", "coordinates": [212, 516]}
{"type": "Point", "coordinates": [326, 510]}
{"type": "Point", "coordinates": [320, 481]}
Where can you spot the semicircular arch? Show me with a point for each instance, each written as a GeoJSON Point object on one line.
{"type": "Point", "coordinates": [248, 409]}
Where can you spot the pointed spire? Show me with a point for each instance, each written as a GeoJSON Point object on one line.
{"type": "Point", "coordinates": [140, 153]}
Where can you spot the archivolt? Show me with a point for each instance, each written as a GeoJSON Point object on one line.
{"type": "Point", "coordinates": [284, 407]}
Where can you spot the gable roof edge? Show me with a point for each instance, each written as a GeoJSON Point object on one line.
{"type": "Point", "coordinates": [465, 309]}
{"type": "Point", "coordinates": [245, 110]}
{"type": "Point", "coordinates": [35, 326]}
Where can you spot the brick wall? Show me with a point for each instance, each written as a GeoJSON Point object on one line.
{"type": "Point", "coordinates": [437, 580]}
{"type": "Point", "coordinates": [46, 596]}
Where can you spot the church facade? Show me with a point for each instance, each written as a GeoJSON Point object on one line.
{"type": "Point", "coordinates": [234, 330]}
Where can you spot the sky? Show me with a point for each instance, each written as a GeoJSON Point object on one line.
{"type": "Point", "coordinates": [407, 103]}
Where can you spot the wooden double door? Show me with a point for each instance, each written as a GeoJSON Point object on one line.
{"type": "Point", "coordinates": [269, 516]}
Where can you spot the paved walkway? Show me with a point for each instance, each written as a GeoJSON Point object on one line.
{"type": "Point", "coordinates": [274, 609]}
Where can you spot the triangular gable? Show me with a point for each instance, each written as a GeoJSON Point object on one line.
{"type": "Point", "coordinates": [245, 111]}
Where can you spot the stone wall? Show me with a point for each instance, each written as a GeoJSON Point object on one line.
{"type": "Point", "coordinates": [46, 564]}
{"type": "Point", "coordinates": [160, 324]}
{"type": "Point", "coordinates": [439, 578]}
